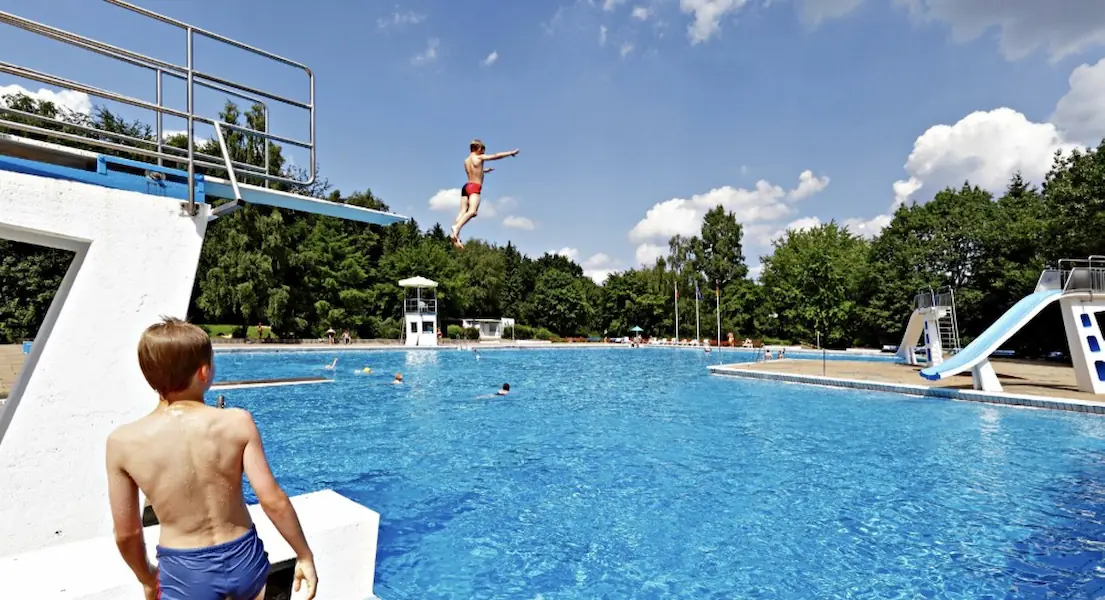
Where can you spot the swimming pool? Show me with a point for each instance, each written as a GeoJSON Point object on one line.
{"type": "Point", "coordinates": [633, 474]}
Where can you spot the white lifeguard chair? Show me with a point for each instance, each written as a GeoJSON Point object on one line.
{"type": "Point", "coordinates": [420, 308]}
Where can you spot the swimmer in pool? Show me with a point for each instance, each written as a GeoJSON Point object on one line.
{"type": "Point", "coordinates": [504, 391]}
{"type": "Point", "coordinates": [398, 379]}
{"type": "Point", "coordinates": [330, 367]}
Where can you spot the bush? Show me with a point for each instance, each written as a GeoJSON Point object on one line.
{"type": "Point", "coordinates": [508, 332]}
{"type": "Point", "coordinates": [454, 331]}
{"type": "Point", "coordinates": [471, 333]}
{"type": "Point", "coordinates": [544, 334]}
{"type": "Point", "coordinates": [523, 332]}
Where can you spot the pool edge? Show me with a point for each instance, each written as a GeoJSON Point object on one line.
{"type": "Point", "coordinates": [1021, 400]}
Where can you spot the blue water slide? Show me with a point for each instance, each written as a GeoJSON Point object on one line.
{"type": "Point", "coordinates": [986, 344]}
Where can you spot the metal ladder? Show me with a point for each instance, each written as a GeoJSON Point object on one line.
{"type": "Point", "coordinates": [948, 324]}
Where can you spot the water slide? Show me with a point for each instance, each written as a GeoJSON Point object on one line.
{"type": "Point", "coordinates": [912, 334]}
{"type": "Point", "coordinates": [986, 344]}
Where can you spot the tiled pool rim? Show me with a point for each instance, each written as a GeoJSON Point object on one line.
{"type": "Point", "coordinates": [1022, 400]}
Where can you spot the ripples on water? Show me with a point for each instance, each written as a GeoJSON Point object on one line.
{"type": "Point", "coordinates": [634, 474]}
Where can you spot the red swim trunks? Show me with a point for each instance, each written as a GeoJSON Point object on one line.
{"type": "Point", "coordinates": [470, 188]}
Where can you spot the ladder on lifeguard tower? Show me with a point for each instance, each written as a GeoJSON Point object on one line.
{"type": "Point", "coordinates": [156, 151]}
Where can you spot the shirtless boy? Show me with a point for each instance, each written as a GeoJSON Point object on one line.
{"type": "Point", "coordinates": [188, 460]}
{"type": "Point", "coordinates": [470, 193]}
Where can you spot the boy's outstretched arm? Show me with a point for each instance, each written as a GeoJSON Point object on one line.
{"type": "Point", "coordinates": [498, 155]}
{"type": "Point", "coordinates": [276, 504]}
{"type": "Point", "coordinates": [122, 494]}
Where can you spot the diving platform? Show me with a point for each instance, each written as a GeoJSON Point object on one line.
{"type": "Point", "coordinates": [134, 213]}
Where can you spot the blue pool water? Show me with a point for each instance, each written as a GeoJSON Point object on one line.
{"type": "Point", "coordinates": [634, 474]}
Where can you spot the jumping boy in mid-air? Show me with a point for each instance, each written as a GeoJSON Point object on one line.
{"type": "Point", "coordinates": [188, 460]}
{"type": "Point", "coordinates": [470, 193]}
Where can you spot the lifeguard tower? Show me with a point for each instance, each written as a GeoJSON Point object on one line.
{"type": "Point", "coordinates": [135, 228]}
{"type": "Point", "coordinates": [420, 307]}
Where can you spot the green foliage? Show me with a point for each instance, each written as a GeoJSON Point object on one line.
{"type": "Point", "coordinates": [301, 274]}
{"type": "Point", "coordinates": [812, 280]}
{"type": "Point", "coordinates": [471, 333]}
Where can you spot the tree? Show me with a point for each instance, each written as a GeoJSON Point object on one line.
{"type": "Point", "coordinates": [811, 281]}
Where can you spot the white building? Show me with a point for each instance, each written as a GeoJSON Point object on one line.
{"type": "Point", "coordinates": [490, 329]}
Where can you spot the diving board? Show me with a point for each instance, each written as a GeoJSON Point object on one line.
{"type": "Point", "coordinates": [1079, 292]}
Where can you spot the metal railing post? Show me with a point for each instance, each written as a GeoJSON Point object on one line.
{"type": "Point", "coordinates": [191, 131]}
{"type": "Point", "coordinates": [160, 120]}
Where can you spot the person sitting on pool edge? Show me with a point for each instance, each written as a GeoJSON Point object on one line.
{"type": "Point", "coordinates": [504, 391]}
{"type": "Point", "coordinates": [188, 458]}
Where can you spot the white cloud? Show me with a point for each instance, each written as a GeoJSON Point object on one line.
{"type": "Point", "coordinates": [598, 260]}
{"type": "Point", "coordinates": [491, 58]}
{"type": "Point", "coordinates": [868, 228]}
{"type": "Point", "coordinates": [803, 224]}
{"type": "Point", "coordinates": [625, 49]}
{"type": "Point", "coordinates": [641, 13]}
{"type": "Point", "coordinates": [808, 185]}
{"type": "Point", "coordinates": [516, 222]}
{"type": "Point", "coordinates": [988, 147]}
{"type": "Point", "coordinates": [599, 276]}
{"type": "Point", "coordinates": [985, 148]}
{"type": "Point", "coordinates": [766, 202]}
{"type": "Point", "coordinates": [400, 19]}
{"type": "Point", "coordinates": [449, 200]}
{"type": "Point", "coordinates": [647, 254]}
{"type": "Point", "coordinates": [1023, 25]}
{"type": "Point", "coordinates": [428, 55]}
{"type": "Point", "coordinates": [569, 253]}
{"type": "Point", "coordinates": [815, 12]}
{"type": "Point", "coordinates": [707, 16]}
{"type": "Point", "coordinates": [599, 267]}
{"type": "Point", "coordinates": [754, 271]}
{"type": "Point", "coordinates": [77, 102]}
{"type": "Point", "coordinates": [1080, 114]}
{"type": "Point", "coordinates": [609, 5]}
{"type": "Point", "coordinates": [602, 35]}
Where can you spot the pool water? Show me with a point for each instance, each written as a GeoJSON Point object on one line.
{"type": "Point", "coordinates": [620, 473]}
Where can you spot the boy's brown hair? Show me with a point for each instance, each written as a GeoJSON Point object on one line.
{"type": "Point", "coordinates": [170, 353]}
{"type": "Point", "coordinates": [476, 146]}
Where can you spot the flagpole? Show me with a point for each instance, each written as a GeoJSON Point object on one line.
{"type": "Point", "coordinates": [697, 330]}
{"type": "Point", "coordinates": [717, 290]}
{"type": "Point", "coordinates": [677, 312]}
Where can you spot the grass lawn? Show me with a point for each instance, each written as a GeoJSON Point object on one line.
{"type": "Point", "coordinates": [228, 330]}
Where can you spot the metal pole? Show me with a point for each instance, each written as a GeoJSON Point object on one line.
{"type": "Point", "coordinates": [676, 312]}
{"type": "Point", "coordinates": [717, 293]}
{"type": "Point", "coordinates": [191, 132]}
{"type": "Point", "coordinates": [160, 119]}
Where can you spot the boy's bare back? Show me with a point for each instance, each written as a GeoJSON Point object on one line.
{"type": "Point", "coordinates": [188, 459]}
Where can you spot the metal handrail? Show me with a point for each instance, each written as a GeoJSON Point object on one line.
{"type": "Point", "coordinates": [193, 78]}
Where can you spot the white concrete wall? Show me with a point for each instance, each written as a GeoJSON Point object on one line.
{"type": "Point", "coordinates": [341, 532]}
{"type": "Point", "coordinates": [136, 260]}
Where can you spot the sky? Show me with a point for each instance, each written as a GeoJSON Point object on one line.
{"type": "Point", "coordinates": [633, 117]}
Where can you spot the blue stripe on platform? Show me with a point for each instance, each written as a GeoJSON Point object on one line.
{"type": "Point", "coordinates": [174, 185]}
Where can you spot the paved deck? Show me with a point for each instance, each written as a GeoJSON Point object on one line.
{"type": "Point", "coordinates": [1025, 379]}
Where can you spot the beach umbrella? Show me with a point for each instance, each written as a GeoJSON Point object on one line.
{"type": "Point", "coordinates": [636, 329]}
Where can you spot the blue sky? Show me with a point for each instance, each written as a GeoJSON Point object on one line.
{"type": "Point", "coordinates": [635, 116]}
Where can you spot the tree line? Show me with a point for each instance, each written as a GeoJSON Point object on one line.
{"type": "Point", "coordinates": [301, 274]}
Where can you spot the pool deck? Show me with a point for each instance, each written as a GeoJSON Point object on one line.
{"type": "Point", "coordinates": [1025, 383]}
